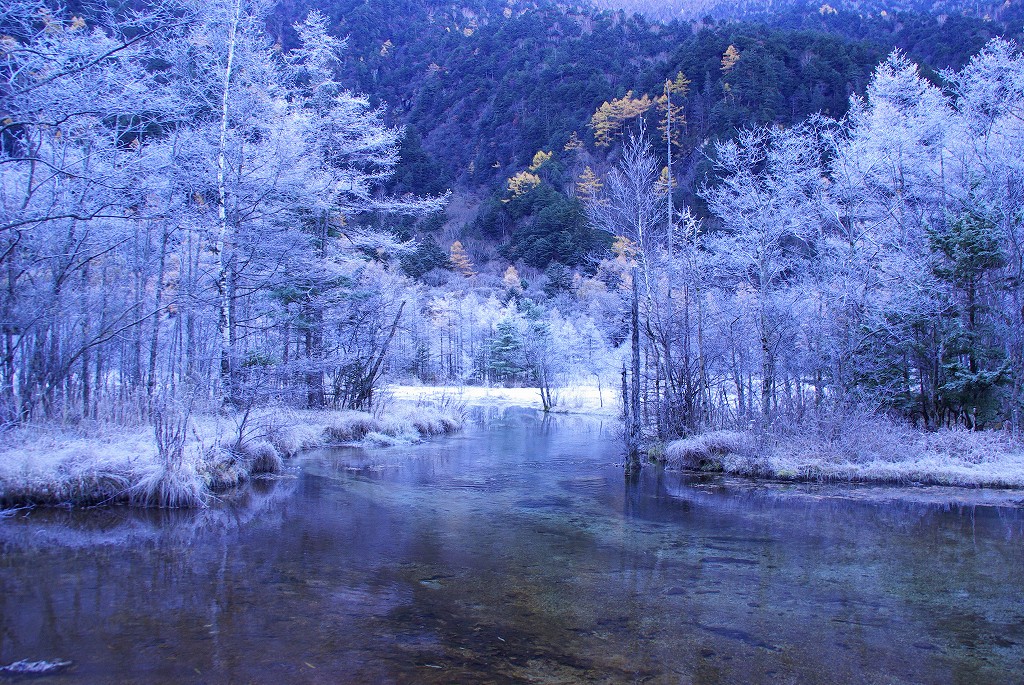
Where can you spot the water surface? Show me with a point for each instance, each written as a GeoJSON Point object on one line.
{"type": "Point", "coordinates": [517, 553]}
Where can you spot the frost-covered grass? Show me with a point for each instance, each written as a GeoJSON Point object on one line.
{"type": "Point", "coordinates": [87, 465]}
{"type": "Point", "coordinates": [860, 449]}
{"type": "Point", "coordinates": [731, 451]}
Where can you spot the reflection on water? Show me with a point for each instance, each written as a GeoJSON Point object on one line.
{"type": "Point", "coordinates": [516, 553]}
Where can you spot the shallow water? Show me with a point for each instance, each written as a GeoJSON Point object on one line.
{"type": "Point", "coordinates": [517, 553]}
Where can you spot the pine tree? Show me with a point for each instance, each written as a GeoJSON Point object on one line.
{"type": "Point", "coordinates": [507, 363]}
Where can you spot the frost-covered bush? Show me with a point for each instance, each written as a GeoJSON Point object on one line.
{"type": "Point", "coordinates": [172, 485]}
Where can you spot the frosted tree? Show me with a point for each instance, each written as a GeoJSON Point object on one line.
{"type": "Point", "coordinates": [899, 180]}
{"type": "Point", "coordinates": [72, 154]}
{"type": "Point", "coordinates": [765, 200]}
{"type": "Point", "coordinates": [350, 152]}
{"type": "Point", "coordinates": [631, 205]}
{"type": "Point", "coordinates": [980, 247]}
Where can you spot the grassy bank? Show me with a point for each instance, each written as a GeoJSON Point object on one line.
{"type": "Point", "coordinates": [96, 464]}
{"type": "Point", "coordinates": [863, 450]}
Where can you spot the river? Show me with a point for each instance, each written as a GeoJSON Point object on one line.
{"type": "Point", "coordinates": [516, 552]}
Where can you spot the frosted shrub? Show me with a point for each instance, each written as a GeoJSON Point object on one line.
{"type": "Point", "coordinates": [971, 447]}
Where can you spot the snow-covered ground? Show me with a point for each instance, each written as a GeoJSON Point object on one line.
{"type": "Point", "coordinates": [92, 463]}
{"type": "Point", "coordinates": [52, 464]}
{"type": "Point", "coordinates": [575, 400]}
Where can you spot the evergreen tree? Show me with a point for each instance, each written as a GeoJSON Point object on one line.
{"type": "Point", "coordinates": [507, 363]}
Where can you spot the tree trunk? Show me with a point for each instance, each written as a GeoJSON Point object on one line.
{"type": "Point", "coordinates": [315, 398]}
{"type": "Point", "coordinates": [364, 397]}
{"type": "Point", "coordinates": [633, 429]}
{"type": "Point", "coordinates": [224, 323]}
{"type": "Point", "coordinates": [86, 385]}
{"type": "Point", "coordinates": [154, 342]}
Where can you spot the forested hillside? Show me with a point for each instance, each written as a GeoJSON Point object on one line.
{"type": "Point", "coordinates": [515, 78]}
{"type": "Point", "coordinates": [483, 86]}
{"type": "Point", "coordinates": [772, 10]}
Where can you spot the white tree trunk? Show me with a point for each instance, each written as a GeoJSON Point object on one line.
{"type": "Point", "coordinates": [224, 321]}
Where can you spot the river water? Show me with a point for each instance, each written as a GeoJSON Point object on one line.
{"type": "Point", "coordinates": [515, 552]}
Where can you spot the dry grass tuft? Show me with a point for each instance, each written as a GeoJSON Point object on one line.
{"type": "Point", "coordinates": [222, 468]}
{"type": "Point", "coordinates": [428, 421]}
{"type": "Point", "coordinates": [349, 426]}
{"type": "Point", "coordinates": [263, 457]}
{"type": "Point", "coordinates": [174, 486]}
{"type": "Point", "coordinates": [715, 451]}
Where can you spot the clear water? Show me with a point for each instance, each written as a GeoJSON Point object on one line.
{"type": "Point", "coordinates": [517, 553]}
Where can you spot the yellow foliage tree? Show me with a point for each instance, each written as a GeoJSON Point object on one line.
{"type": "Point", "coordinates": [673, 117]}
{"type": "Point", "coordinates": [511, 278]}
{"type": "Point", "coordinates": [624, 249]}
{"type": "Point", "coordinates": [617, 269]}
{"type": "Point", "coordinates": [610, 116]}
{"type": "Point", "coordinates": [589, 185]}
{"type": "Point", "coordinates": [574, 143]}
{"type": "Point", "coordinates": [730, 58]}
{"type": "Point", "coordinates": [460, 260]}
{"type": "Point", "coordinates": [539, 159]}
{"type": "Point", "coordinates": [665, 180]}
{"type": "Point", "coordinates": [522, 183]}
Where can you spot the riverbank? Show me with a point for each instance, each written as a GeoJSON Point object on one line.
{"type": "Point", "coordinates": [864, 451]}
{"type": "Point", "coordinates": [91, 464]}
{"type": "Point", "coordinates": [857, 448]}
